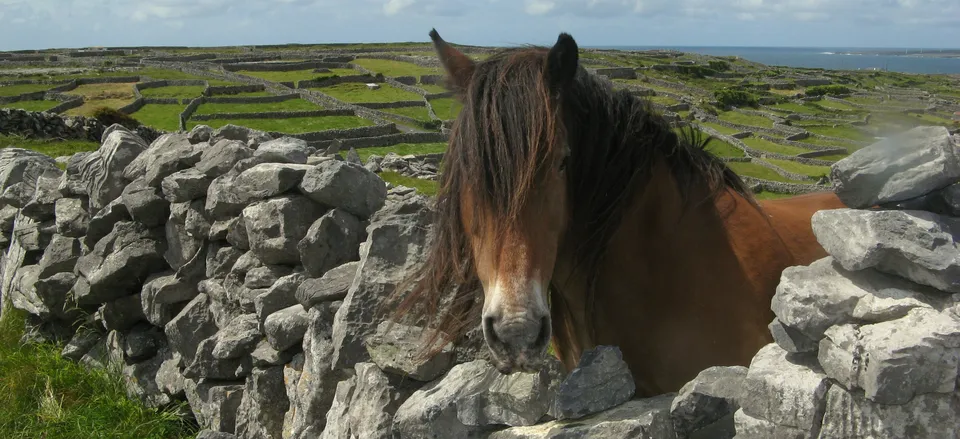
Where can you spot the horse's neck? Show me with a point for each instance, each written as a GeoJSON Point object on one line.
{"type": "Point", "coordinates": [661, 249]}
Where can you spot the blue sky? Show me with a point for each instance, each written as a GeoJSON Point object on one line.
{"type": "Point", "coordinates": [34, 24]}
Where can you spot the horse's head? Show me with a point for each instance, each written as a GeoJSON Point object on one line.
{"type": "Point", "coordinates": [503, 190]}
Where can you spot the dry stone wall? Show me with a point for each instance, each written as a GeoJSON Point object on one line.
{"type": "Point", "coordinates": [244, 274]}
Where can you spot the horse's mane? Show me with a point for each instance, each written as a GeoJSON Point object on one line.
{"type": "Point", "coordinates": [508, 127]}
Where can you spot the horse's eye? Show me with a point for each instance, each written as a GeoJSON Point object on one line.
{"type": "Point", "coordinates": [563, 163]}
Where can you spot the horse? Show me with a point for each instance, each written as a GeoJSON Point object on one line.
{"type": "Point", "coordinates": [584, 219]}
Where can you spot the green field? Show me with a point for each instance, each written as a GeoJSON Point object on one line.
{"type": "Point", "coordinates": [52, 148]}
{"type": "Point", "coordinates": [112, 95]}
{"type": "Point", "coordinates": [289, 105]}
{"type": "Point", "coordinates": [768, 146]}
{"type": "Point", "coordinates": [842, 131]}
{"type": "Point", "coordinates": [433, 88]}
{"type": "Point", "coordinates": [723, 149]}
{"type": "Point", "coordinates": [14, 90]}
{"type": "Point", "coordinates": [163, 116]}
{"type": "Point", "coordinates": [446, 108]}
{"type": "Point", "coordinates": [357, 92]}
{"type": "Point", "coordinates": [746, 119]}
{"type": "Point", "coordinates": [800, 168]}
{"type": "Point", "coordinates": [394, 68]}
{"type": "Point", "coordinates": [32, 105]}
{"type": "Point", "coordinates": [426, 187]}
{"type": "Point", "coordinates": [294, 125]}
{"type": "Point", "coordinates": [175, 91]}
{"type": "Point", "coordinates": [759, 171]}
{"type": "Point", "coordinates": [298, 75]}
{"type": "Point", "coordinates": [403, 149]}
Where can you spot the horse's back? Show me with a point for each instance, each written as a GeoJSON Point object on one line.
{"type": "Point", "coordinates": [791, 219]}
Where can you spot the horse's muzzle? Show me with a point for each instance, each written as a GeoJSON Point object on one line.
{"type": "Point", "coordinates": [518, 343]}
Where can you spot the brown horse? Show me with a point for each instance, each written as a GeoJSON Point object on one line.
{"type": "Point", "coordinates": [585, 219]}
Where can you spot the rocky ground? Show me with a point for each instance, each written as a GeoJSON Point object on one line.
{"type": "Point", "coordinates": [244, 275]}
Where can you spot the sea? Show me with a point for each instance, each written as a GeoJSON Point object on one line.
{"type": "Point", "coordinates": [835, 58]}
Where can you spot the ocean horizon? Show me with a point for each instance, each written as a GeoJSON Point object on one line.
{"type": "Point", "coordinates": [832, 58]}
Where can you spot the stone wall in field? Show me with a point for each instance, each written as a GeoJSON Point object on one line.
{"type": "Point", "coordinates": [48, 125]}
{"type": "Point", "coordinates": [245, 274]}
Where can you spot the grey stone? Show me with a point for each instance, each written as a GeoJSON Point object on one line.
{"type": "Point", "coordinates": [266, 276]}
{"type": "Point", "coordinates": [121, 314]}
{"type": "Point", "coordinates": [850, 415]}
{"type": "Point", "coordinates": [600, 381]}
{"type": "Point", "coordinates": [214, 404]}
{"type": "Point", "coordinates": [332, 240]}
{"type": "Point", "coordinates": [394, 349]}
{"type": "Point", "coordinates": [118, 262]}
{"type": "Point", "coordinates": [896, 360]}
{"type": "Point", "coordinates": [145, 204]}
{"type": "Point", "coordinates": [264, 403]}
{"type": "Point", "coordinates": [103, 222]}
{"type": "Point", "coordinates": [264, 355]}
{"type": "Point", "coordinates": [282, 294]}
{"type": "Point", "coordinates": [200, 133]}
{"type": "Point", "coordinates": [317, 385]}
{"type": "Point", "coordinates": [950, 197]}
{"type": "Point", "coordinates": [292, 370]}
{"type": "Point", "coordinates": [813, 298]}
{"type": "Point", "coordinates": [220, 259]}
{"type": "Point", "coordinates": [640, 418]}
{"type": "Point", "coordinates": [141, 343]}
{"type": "Point", "coordinates": [899, 167]}
{"type": "Point", "coordinates": [248, 136]}
{"type": "Point", "coordinates": [24, 293]}
{"type": "Point", "coordinates": [238, 338]}
{"type": "Point", "coordinates": [219, 229]}
{"type": "Point", "coordinates": [72, 217]}
{"type": "Point", "coordinates": [60, 256]}
{"type": "Point", "coordinates": [8, 214]}
{"type": "Point", "coordinates": [167, 154]}
{"type": "Point", "coordinates": [102, 171]}
{"type": "Point", "coordinates": [709, 402]}
{"type": "Point", "coordinates": [187, 185]}
{"type": "Point", "coordinates": [45, 195]}
{"type": "Point", "coordinates": [915, 245]}
{"type": "Point", "coordinates": [285, 328]}
{"type": "Point", "coordinates": [373, 401]}
{"type": "Point", "coordinates": [347, 186]}
{"type": "Point", "coordinates": [353, 157]}
{"type": "Point", "coordinates": [183, 241]}
{"type": "Point", "coordinates": [217, 159]}
{"type": "Point", "coordinates": [206, 365]}
{"type": "Point", "coordinates": [22, 168]}
{"type": "Point", "coordinates": [337, 419]}
{"type": "Point", "coordinates": [789, 339]}
{"type": "Point", "coordinates": [210, 434]}
{"type": "Point", "coordinates": [81, 343]}
{"type": "Point", "coordinates": [395, 246]}
{"type": "Point", "coordinates": [169, 377]}
{"type": "Point", "coordinates": [267, 180]}
{"type": "Point", "coordinates": [53, 292]}
{"type": "Point", "coordinates": [275, 227]}
{"type": "Point", "coordinates": [222, 202]}
{"type": "Point", "coordinates": [749, 427]}
{"type": "Point", "coordinates": [332, 286]}
{"type": "Point", "coordinates": [71, 184]}
{"type": "Point", "coordinates": [191, 326]}
{"type": "Point", "coordinates": [474, 399]}
{"type": "Point", "coordinates": [284, 150]}
{"type": "Point", "coordinates": [139, 383]}
{"type": "Point", "coordinates": [160, 292]}
{"type": "Point", "coordinates": [785, 389]}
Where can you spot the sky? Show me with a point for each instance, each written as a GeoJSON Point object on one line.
{"type": "Point", "coordinates": [38, 24]}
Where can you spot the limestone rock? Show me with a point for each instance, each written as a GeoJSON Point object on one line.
{"type": "Point", "coordinates": [160, 293]}
{"type": "Point", "coordinates": [247, 136]}
{"type": "Point", "coordinates": [140, 385]}
{"type": "Point", "coordinates": [370, 406]}
{"type": "Point", "coordinates": [899, 167]}
{"type": "Point", "coordinates": [206, 365]}
{"type": "Point", "coordinates": [142, 343]}
{"type": "Point", "coordinates": [214, 404]}
{"type": "Point", "coordinates": [915, 245]}
{"type": "Point", "coordinates": [704, 407]}
{"type": "Point", "coordinates": [217, 159]}
{"type": "Point", "coordinates": [220, 259]}
{"type": "Point", "coordinates": [117, 263]}
{"type": "Point", "coordinates": [896, 360]}
{"type": "Point", "coordinates": [122, 313]}
{"type": "Point", "coordinates": [749, 427]}
{"type": "Point", "coordinates": [185, 233]}
{"type": "Point", "coordinates": [261, 411]}
{"type": "Point", "coordinates": [639, 418]}
{"type": "Point", "coordinates": [332, 240]}
{"type": "Point", "coordinates": [187, 185]}
{"type": "Point", "coordinates": [282, 294]}
{"type": "Point", "coordinates": [347, 186]}
{"type": "Point", "coordinates": [318, 382]}
{"type": "Point", "coordinates": [284, 150]}
{"type": "Point", "coordinates": [102, 170]}
{"type": "Point", "coordinates": [191, 326]}
{"type": "Point", "coordinates": [60, 256]}
{"type": "Point", "coordinates": [275, 227]}
{"type": "Point", "coordinates": [238, 338]}
{"type": "Point", "coordinates": [200, 133]}
{"type": "Point", "coordinates": [167, 154]}
{"type": "Point", "coordinates": [266, 276]}
{"type": "Point", "coordinates": [286, 327]}
{"type": "Point", "coordinates": [100, 224]}
{"type": "Point", "coordinates": [850, 415]}
{"type": "Point", "coordinates": [145, 204]}
{"type": "Point", "coordinates": [264, 355]}
{"type": "Point", "coordinates": [785, 389]}
{"type": "Point", "coordinates": [267, 180]}
{"type": "Point", "coordinates": [600, 381]}
{"type": "Point", "coordinates": [332, 286]}
{"type": "Point", "coordinates": [394, 349]}
{"type": "Point", "coordinates": [81, 343]}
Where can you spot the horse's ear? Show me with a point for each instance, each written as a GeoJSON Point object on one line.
{"type": "Point", "coordinates": [562, 61]}
{"type": "Point", "coordinates": [458, 66]}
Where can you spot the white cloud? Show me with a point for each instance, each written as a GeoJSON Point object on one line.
{"type": "Point", "coordinates": [393, 7]}
{"type": "Point", "coordinates": [539, 7]}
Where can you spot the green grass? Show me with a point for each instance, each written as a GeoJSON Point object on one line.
{"type": "Point", "coordinates": [52, 148]}
{"type": "Point", "coordinates": [836, 105]}
{"type": "Point", "coordinates": [768, 146]}
{"type": "Point", "coordinates": [425, 187]}
{"type": "Point", "coordinates": [723, 149]}
{"type": "Point", "coordinates": [446, 108]}
{"type": "Point", "coordinates": [720, 128]}
{"type": "Point", "coordinates": [746, 119]}
{"type": "Point", "coordinates": [176, 91]}
{"type": "Point", "coordinates": [289, 105]}
{"type": "Point", "coordinates": [826, 142]}
{"type": "Point", "coordinates": [246, 94]}
{"type": "Point", "coordinates": [394, 68]}
{"type": "Point", "coordinates": [663, 100]}
{"type": "Point", "coordinates": [842, 131]}
{"type": "Point", "coordinates": [802, 109]}
{"type": "Point", "coordinates": [403, 149]}
{"type": "Point", "coordinates": [833, 157]}
{"type": "Point", "coordinates": [766, 195]}
{"type": "Point", "coordinates": [800, 168]}
{"type": "Point", "coordinates": [14, 90]}
{"type": "Point", "coordinates": [296, 76]}
{"type": "Point", "coordinates": [418, 113]}
{"type": "Point", "coordinates": [32, 105]}
{"type": "Point", "coordinates": [43, 395]}
{"type": "Point", "coordinates": [163, 116]}
{"type": "Point", "coordinates": [293, 125]}
{"type": "Point", "coordinates": [433, 88]}
{"type": "Point", "coordinates": [757, 171]}
{"type": "Point", "coordinates": [113, 95]}
{"type": "Point", "coordinates": [356, 92]}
